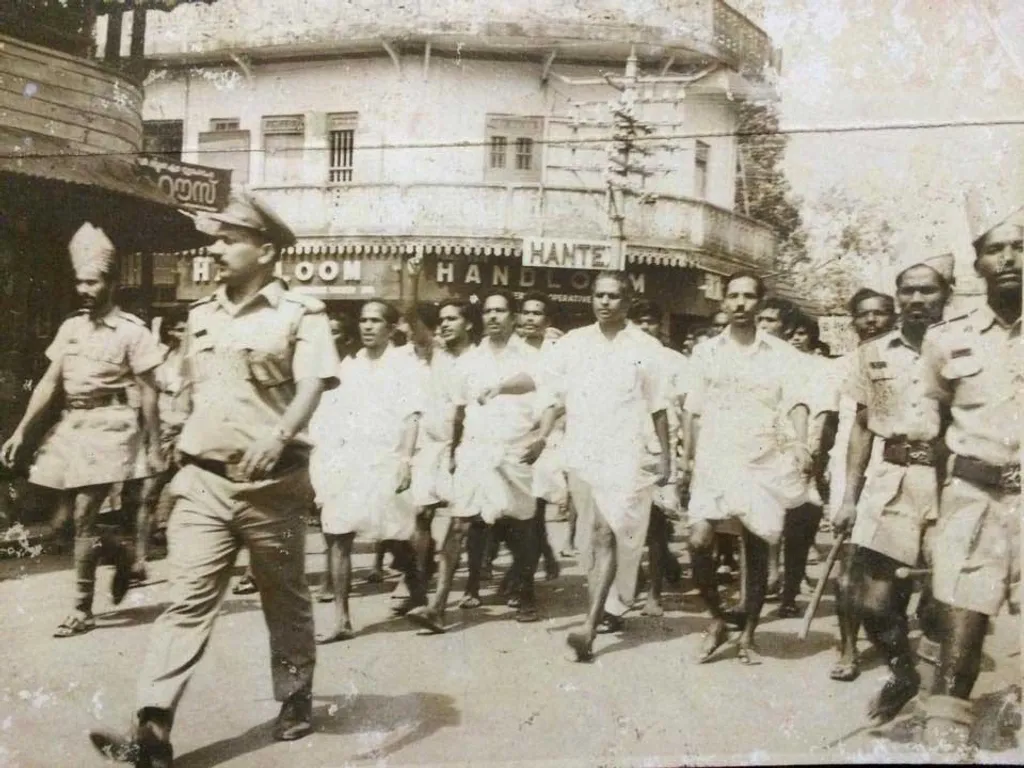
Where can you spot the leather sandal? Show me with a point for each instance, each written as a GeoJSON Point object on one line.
{"type": "Point", "coordinates": [77, 623]}
{"type": "Point", "coordinates": [711, 641]}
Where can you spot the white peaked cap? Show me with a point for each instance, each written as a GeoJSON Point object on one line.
{"type": "Point", "coordinates": [987, 208]}
{"type": "Point", "coordinates": [92, 253]}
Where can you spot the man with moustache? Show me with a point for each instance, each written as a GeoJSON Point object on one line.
{"type": "Point", "coordinates": [365, 433]}
{"type": "Point", "coordinates": [973, 367]}
{"type": "Point", "coordinates": [492, 447]}
{"type": "Point", "coordinates": [457, 325]}
{"type": "Point", "coordinates": [608, 378]}
{"type": "Point", "coordinates": [872, 315]}
{"type": "Point", "coordinates": [97, 356]}
{"type": "Point", "coordinates": [889, 519]}
{"type": "Point", "coordinates": [257, 357]}
{"type": "Point", "coordinates": [748, 432]}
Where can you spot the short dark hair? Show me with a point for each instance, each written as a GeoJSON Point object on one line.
{"type": "Point", "coordinates": [863, 294]}
{"type": "Point", "coordinates": [800, 321]}
{"type": "Point", "coordinates": [543, 298]}
{"type": "Point", "coordinates": [749, 276]}
{"type": "Point", "coordinates": [510, 300]}
{"type": "Point", "coordinates": [645, 308]}
{"type": "Point", "coordinates": [468, 311]}
{"type": "Point", "coordinates": [620, 277]}
{"type": "Point", "coordinates": [391, 314]}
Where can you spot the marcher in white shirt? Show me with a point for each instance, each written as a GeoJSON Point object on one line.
{"type": "Point", "coordinates": [365, 432]}
{"type": "Point", "coordinates": [748, 438]}
{"type": "Point", "coordinates": [492, 479]}
{"type": "Point", "coordinates": [607, 377]}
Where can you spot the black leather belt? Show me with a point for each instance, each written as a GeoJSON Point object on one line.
{"type": "Point", "coordinates": [909, 452]}
{"type": "Point", "coordinates": [1002, 477]}
{"type": "Point", "coordinates": [82, 402]}
{"type": "Point", "coordinates": [291, 460]}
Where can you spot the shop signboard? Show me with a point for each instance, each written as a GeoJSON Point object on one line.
{"type": "Point", "coordinates": [562, 253]}
{"type": "Point", "coordinates": [192, 187]}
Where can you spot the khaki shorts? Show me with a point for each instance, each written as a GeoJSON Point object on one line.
{"type": "Point", "coordinates": [893, 508]}
{"type": "Point", "coordinates": [976, 560]}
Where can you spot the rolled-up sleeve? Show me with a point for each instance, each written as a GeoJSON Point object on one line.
{"type": "Point", "coordinates": [144, 353]}
{"type": "Point", "coordinates": [796, 389]}
{"type": "Point", "coordinates": [315, 355]}
{"type": "Point", "coordinates": [929, 370]}
{"type": "Point", "coordinates": [857, 385]}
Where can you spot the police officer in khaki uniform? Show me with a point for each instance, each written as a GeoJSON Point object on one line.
{"type": "Point", "coordinates": [98, 354]}
{"type": "Point", "coordinates": [974, 366]}
{"type": "Point", "coordinates": [257, 358]}
{"type": "Point", "coordinates": [900, 490]}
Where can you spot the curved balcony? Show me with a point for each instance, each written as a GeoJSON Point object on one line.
{"type": "Point", "coordinates": [596, 29]}
{"type": "Point", "coordinates": [72, 100]}
{"type": "Point", "coordinates": [496, 212]}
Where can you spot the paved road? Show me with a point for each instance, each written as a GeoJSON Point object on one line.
{"type": "Point", "coordinates": [489, 692]}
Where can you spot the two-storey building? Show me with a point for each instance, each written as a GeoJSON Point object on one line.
{"type": "Point", "coordinates": [469, 137]}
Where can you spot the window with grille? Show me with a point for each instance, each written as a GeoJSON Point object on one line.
{"type": "Point", "coordinates": [284, 145]}
{"type": "Point", "coordinates": [226, 149]}
{"type": "Point", "coordinates": [224, 124]}
{"type": "Point", "coordinates": [499, 147]}
{"type": "Point", "coordinates": [524, 154]}
{"type": "Point", "coordinates": [341, 135]}
{"type": "Point", "coordinates": [163, 138]}
{"type": "Point", "coordinates": [700, 181]}
{"type": "Point", "coordinates": [511, 143]}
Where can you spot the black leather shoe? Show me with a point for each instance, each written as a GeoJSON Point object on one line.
{"type": "Point", "coordinates": [295, 719]}
{"type": "Point", "coordinates": [146, 748]}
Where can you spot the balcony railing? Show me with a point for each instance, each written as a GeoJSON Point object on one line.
{"type": "Point", "coordinates": [198, 30]}
{"type": "Point", "coordinates": [514, 211]}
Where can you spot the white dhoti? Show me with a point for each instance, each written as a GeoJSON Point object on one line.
{"type": "Point", "coordinates": [549, 479]}
{"type": "Point", "coordinates": [492, 481]}
{"type": "Point", "coordinates": [431, 475]}
{"type": "Point", "coordinates": [756, 492]}
{"type": "Point", "coordinates": [355, 488]}
{"type": "Point", "coordinates": [627, 511]}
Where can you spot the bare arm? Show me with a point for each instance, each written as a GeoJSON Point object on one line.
{"type": "Point", "coordinates": [457, 429]}
{"type": "Point", "coordinates": [149, 395]}
{"type": "Point", "coordinates": [406, 447]}
{"type": "Point", "coordinates": [41, 399]}
{"type": "Point", "coordinates": [857, 457]}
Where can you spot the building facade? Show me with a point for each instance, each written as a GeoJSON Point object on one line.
{"type": "Point", "coordinates": [471, 138]}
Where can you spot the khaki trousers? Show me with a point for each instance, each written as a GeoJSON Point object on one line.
{"type": "Point", "coordinates": [212, 519]}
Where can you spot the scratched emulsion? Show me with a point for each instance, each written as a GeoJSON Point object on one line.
{"type": "Point", "coordinates": [374, 128]}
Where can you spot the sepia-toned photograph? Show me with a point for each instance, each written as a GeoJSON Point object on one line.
{"type": "Point", "coordinates": [510, 383]}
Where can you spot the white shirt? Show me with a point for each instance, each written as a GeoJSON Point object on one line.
{"type": "Point", "coordinates": [504, 418]}
{"type": "Point", "coordinates": [610, 389]}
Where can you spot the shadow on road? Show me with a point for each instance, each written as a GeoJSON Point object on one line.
{"type": "Point", "coordinates": [393, 722]}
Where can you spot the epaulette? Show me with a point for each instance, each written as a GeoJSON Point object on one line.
{"type": "Point", "coordinates": [312, 305]}
{"type": "Point", "coordinates": [131, 318]}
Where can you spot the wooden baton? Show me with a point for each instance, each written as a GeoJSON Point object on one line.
{"type": "Point", "coordinates": [819, 588]}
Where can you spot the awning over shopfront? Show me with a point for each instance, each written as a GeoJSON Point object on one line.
{"type": "Point", "coordinates": [61, 188]}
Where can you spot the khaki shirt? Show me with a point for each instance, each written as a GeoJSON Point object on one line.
{"type": "Point", "coordinates": [974, 365]}
{"type": "Point", "coordinates": [885, 378]}
{"type": "Point", "coordinates": [104, 356]}
{"type": "Point", "coordinates": [242, 363]}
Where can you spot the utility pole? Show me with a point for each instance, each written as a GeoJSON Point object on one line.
{"type": "Point", "coordinates": [625, 155]}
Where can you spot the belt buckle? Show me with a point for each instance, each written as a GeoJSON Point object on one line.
{"type": "Point", "coordinates": [918, 454]}
{"type": "Point", "coordinates": [1009, 478]}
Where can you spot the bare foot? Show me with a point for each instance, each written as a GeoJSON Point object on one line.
{"type": "Point", "coordinates": [340, 634]}
{"type": "Point", "coordinates": [582, 646]}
